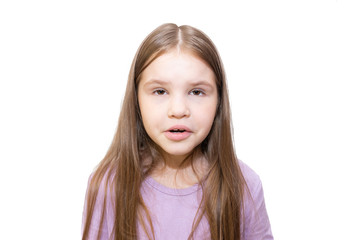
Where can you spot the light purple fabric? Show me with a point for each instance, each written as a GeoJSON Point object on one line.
{"type": "Point", "coordinates": [173, 211]}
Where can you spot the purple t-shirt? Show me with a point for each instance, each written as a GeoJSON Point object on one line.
{"type": "Point", "coordinates": [173, 211]}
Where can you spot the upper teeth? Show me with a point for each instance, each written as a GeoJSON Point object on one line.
{"type": "Point", "coordinates": [178, 130]}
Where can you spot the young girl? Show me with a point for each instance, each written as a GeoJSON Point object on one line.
{"type": "Point", "coordinates": [171, 171]}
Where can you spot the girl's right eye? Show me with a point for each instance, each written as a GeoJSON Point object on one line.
{"type": "Point", "coordinates": [160, 92]}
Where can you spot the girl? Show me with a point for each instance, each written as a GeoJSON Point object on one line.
{"type": "Point", "coordinates": [171, 171]}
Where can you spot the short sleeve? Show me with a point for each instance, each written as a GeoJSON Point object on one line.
{"type": "Point", "coordinates": [257, 224]}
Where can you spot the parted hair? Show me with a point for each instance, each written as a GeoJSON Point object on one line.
{"type": "Point", "coordinates": [124, 168]}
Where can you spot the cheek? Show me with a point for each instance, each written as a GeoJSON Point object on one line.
{"type": "Point", "coordinates": [208, 107]}
{"type": "Point", "coordinates": [150, 115]}
{"type": "Point", "coordinates": [143, 111]}
{"type": "Point", "coordinates": [207, 122]}
{"type": "Point", "coordinates": [205, 117]}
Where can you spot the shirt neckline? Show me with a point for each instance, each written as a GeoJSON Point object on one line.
{"type": "Point", "coordinates": [172, 191]}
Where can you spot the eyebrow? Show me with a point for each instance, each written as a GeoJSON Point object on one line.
{"type": "Point", "coordinates": [201, 82]}
{"type": "Point", "coordinates": [155, 81]}
{"type": "Point", "coordinates": [195, 83]}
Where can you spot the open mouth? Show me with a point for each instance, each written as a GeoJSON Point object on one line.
{"type": "Point", "coordinates": [177, 130]}
{"type": "Point", "coordinates": [178, 133]}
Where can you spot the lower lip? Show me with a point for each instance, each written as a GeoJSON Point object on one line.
{"type": "Point", "coordinates": [177, 136]}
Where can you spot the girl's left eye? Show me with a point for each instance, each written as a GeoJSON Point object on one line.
{"type": "Point", "coordinates": [197, 92]}
{"type": "Point", "coordinates": [160, 92]}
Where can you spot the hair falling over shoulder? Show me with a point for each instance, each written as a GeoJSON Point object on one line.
{"type": "Point", "coordinates": [223, 190]}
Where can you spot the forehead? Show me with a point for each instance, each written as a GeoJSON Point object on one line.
{"type": "Point", "coordinates": [178, 65]}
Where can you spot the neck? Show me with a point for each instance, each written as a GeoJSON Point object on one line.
{"type": "Point", "coordinates": [180, 171]}
{"type": "Point", "coordinates": [177, 162]}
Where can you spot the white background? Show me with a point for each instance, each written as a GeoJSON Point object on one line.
{"type": "Point", "coordinates": [293, 70]}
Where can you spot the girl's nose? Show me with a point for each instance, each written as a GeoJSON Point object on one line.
{"type": "Point", "coordinates": [178, 107]}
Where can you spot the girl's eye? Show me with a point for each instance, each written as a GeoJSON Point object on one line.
{"type": "Point", "coordinates": [197, 92]}
{"type": "Point", "coordinates": [160, 92]}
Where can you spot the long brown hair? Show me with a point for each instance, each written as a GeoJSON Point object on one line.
{"type": "Point", "coordinates": [124, 168]}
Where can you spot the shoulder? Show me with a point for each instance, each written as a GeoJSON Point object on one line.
{"type": "Point", "coordinates": [251, 177]}
{"type": "Point", "coordinates": [253, 192]}
{"type": "Point", "coordinates": [257, 224]}
{"type": "Point", "coordinates": [98, 189]}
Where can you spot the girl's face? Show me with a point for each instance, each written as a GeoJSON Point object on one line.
{"type": "Point", "coordinates": [178, 98]}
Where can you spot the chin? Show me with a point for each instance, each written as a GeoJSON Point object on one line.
{"type": "Point", "coordinates": [178, 154]}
